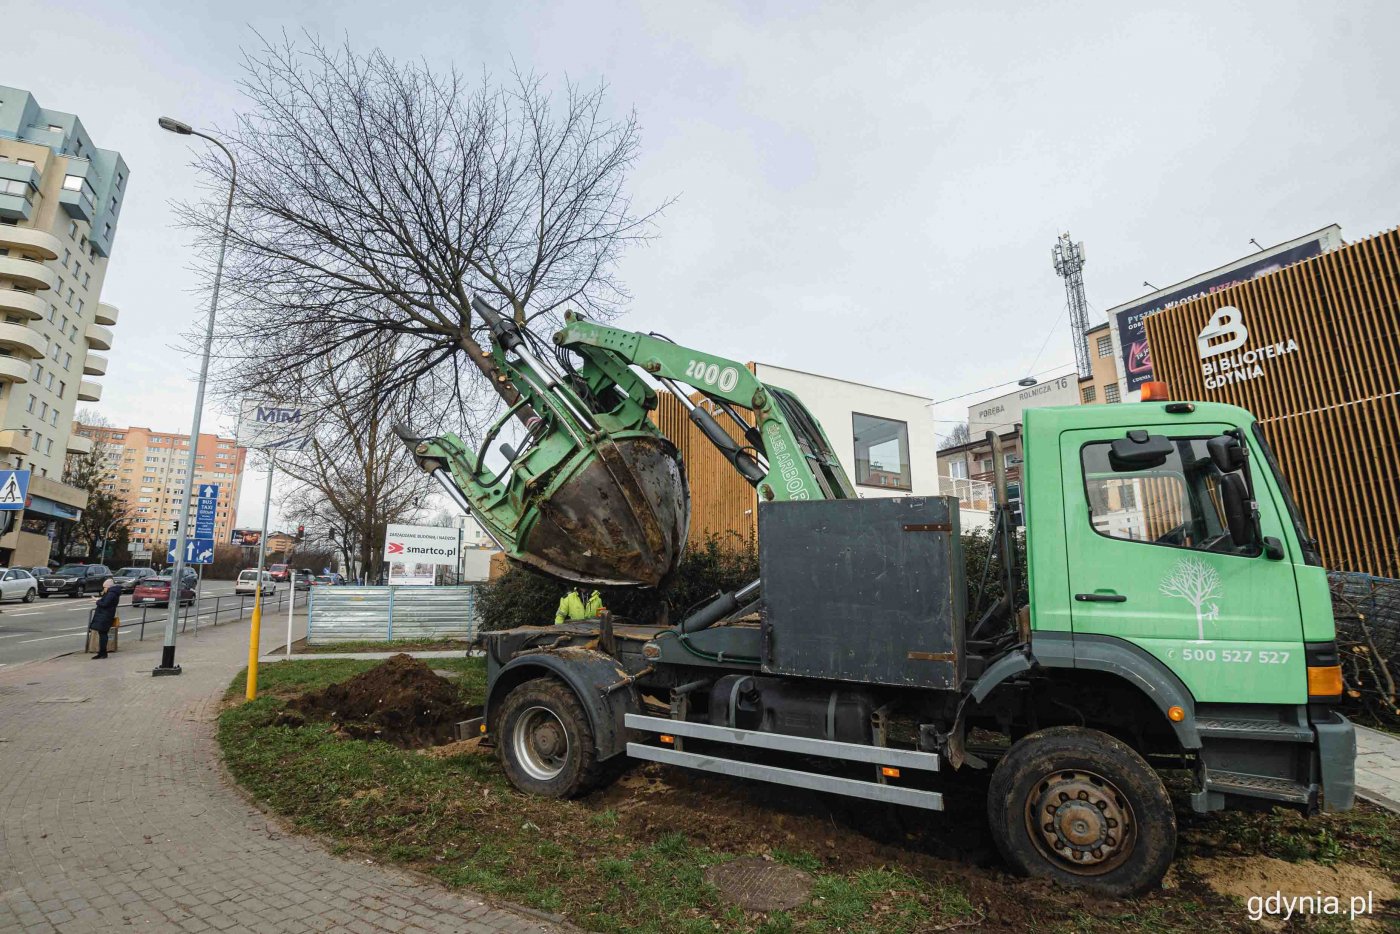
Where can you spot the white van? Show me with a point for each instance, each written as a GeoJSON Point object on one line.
{"type": "Point", "coordinates": [247, 582]}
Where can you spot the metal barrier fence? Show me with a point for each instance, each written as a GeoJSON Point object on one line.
{"type": "Point", "coordinates": [212, 611]}
{"type": "Point", "coordinates": [380, 614]}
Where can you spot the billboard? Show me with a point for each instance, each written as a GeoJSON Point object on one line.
{"type": "Point", "coordinates": [1002, 413]}
{"type": "Point", "coordinates": [274, 426]}
{"type": "Point", "coordinates": [414, 552]}
{"type": "Point", "coordinates": [1135, 357]}
{"type": "Point", "coordinates": [247, 538]}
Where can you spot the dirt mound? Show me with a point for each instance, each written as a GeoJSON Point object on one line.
{"type": "Point", "coordinates": [1259, 877]}
{"type": "Point", "coordinates": [400, 701]}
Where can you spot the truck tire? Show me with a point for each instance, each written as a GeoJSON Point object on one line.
{"type": "Point", "coordinates": [545, 741]}
{"type": "Point", "coordinates": [1079, 807]}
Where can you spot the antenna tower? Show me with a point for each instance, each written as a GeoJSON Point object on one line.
{"type": "Point", "coordinates": [1069, 264]}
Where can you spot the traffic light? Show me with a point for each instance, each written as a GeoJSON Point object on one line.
{"type": "Point", "coordinates": [301, 532]}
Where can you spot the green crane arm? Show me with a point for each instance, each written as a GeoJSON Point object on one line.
{"type": "Point", "coordinates": [787, 455]}
{"type": "Point", "coordinates": [594, 492]}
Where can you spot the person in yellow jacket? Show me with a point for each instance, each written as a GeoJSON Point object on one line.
{"type": "Point", "coordinates": [572, 606]}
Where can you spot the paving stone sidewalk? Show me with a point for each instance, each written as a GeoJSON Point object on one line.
{"type": "Point", "coordinates": [115, 814]}
{"type": "Point", "coordinates": [1378, 767]}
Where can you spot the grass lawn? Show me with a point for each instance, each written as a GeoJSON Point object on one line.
{"type": "Point", "coordinates": [618, 860]}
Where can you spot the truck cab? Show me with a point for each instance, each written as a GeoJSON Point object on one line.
{"type": "Point", "coordinates": [1164, 549]}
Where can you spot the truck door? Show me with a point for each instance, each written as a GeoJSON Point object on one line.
{"type": "Point", "coordinates": [1151, 561]}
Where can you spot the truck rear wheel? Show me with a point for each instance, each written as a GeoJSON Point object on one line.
{"type": "Point", "coordinates": [1079, 807]}
{"type": "Point", "coordinates": [545, 741]}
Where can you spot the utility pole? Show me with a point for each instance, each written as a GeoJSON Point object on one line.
{"type": "Point", "coordinates": [167, 664]}
{"type": "Point", "coordinates": [1068, 257]}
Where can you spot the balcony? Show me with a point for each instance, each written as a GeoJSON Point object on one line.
{"type": "Point", "coordinates": [28, 273]}
{"type": "Point", "coordinates": [77, 196]}
{"type": "Point", "coordinates": [21, 341]}
{"type": "Point", "coordinates": [89, 391]}
{"type": "Point", "coordinates": [77, 444]}
{"type": "Point", "coordinates": [107, 314]}
{"type": "Point", "coordinates": [95, 365]}
{"type": "Point", "coordinates": [98, 337]}
{"type": "Point", "coordinates": [14, 370]}
{"type": "Point", "coordinates": [15, 302]}
{"type": "Point", "coordinates": [39, 242]}
{"type": "Point", "coordinates": [14, 441]}
{"type": "Point", "coordinates": [17, 186]}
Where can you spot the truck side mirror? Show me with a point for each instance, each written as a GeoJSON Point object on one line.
{"type": "Point", "coordinates": [1237, 512]}
{"type": "Point", "coordinates": [1226, 453]}
{"type": "Point", "coordinates": [1139, 451]}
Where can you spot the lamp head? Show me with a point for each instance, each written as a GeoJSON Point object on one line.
{"type": "Point", "coordinates": [175, 126]}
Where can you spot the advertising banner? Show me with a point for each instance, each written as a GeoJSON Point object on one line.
{"type": "Point", "coordinates": [247, 538]}
{"type": "Point", "coordinates": [413, 574]}
{"type": "Point", "coordinates": [415, 552]}
{"type": "Point", "coordinates": [1132, 336]}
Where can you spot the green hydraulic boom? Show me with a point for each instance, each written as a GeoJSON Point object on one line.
{"type": "Point", "coordinates": [594, 492]}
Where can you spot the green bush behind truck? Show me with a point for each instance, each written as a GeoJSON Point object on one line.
{"type": "Point", "coordinates": [1178, 613]}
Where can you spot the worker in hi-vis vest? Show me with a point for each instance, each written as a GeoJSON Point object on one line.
{"type": "Point", "coordinates": [572, 606]}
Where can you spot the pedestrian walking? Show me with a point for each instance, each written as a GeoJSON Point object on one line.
{"type": "Point", "coordinates": [104, 615]}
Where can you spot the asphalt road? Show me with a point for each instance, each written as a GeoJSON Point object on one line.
{"type": "Point", "coordinates": [57, 625]}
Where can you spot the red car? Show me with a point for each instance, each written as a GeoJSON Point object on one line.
{"type": "Point", "coordinates": [280, 572]}
{"type": "Point", "coordinates": [155, 591]}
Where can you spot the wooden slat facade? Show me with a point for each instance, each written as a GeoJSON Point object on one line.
{"type": "Point", "coordinates": [722, 503]}
{"type": "Point", "coordinates": [1330, 408]}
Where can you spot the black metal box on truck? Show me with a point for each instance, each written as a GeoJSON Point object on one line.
{"type": "Point", "coordinates": [867, 590]}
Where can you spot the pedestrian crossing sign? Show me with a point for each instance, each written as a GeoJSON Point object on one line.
{"type": "Point", "coordinates": [14, 489]}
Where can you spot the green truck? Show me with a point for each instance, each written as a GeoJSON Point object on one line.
{"type": "Point", "coordinates": [1177, 616]}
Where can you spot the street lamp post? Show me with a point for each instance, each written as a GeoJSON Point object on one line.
{"type": "Point", "coordinates": [107, 535]}
{"type": "Point", "coordinates": [167, 664]}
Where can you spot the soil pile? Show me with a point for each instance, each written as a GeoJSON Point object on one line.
{"type": "Point", "coordinates": [400, 701]}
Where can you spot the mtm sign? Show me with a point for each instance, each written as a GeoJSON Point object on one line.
{"type": "Point", "coordinates": [274, 426]}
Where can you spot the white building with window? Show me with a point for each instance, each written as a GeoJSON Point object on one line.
{"type": "Point", "coordinates": [883, 437]}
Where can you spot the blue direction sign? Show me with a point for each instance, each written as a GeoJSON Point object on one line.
{"type": "Point", "coordinates": [14, 489]}
{"type": "Point", "coordinates": [205, 506]}
{"type": "Point", "coordinates": [198, 550]}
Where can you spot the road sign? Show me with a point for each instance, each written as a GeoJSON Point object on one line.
{"type": "Point", "coordinates": [14, 489]}
{"type": "Point", "coordinates": [205, 506]}
{"type": "Point", "coordinates": [197, 551]}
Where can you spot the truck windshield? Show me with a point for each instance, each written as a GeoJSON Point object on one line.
{"type": "Point", "coordinates": [1311, 554]}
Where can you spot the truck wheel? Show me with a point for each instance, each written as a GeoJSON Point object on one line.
{"type": "Point", "coordinates": [545, 741]}
{"type": "Point", "coordinates": [1079, 807]}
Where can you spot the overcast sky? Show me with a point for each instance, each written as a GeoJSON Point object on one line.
{"type": "Point", "coordinates": [866, 190]}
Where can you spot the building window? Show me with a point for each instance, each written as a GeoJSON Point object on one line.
{"type": "Point", "coordinates": [1106, 346]}
{"type": "Point", "coordinates": [48, 446]}
{"type": "Point", "coordinates": [68, 361]}
{"type": "Point", "coordinates": [32, 400]}
{"type": "Point", "coordinates": [1111, 394]}
{"type": "Point", "coordinates": [72, 231]}
{"type": "Point", "coordinates": [72, 183]}
{"type": "Point", "coordinates": [882, 451]}
{"type": "Point", "coordinates": [957, 469]}
{"type": "Point", "coordinates": [1088, 394]}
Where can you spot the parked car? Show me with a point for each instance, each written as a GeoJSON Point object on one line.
{"type": "Point", "coordinates": [323, 580]}
{"type": "Point", "coordinates": [128, 578]}
{"type": "Point", "coordinates": [247, 582]}
{"type": "Point", "coordinates": [280, 572]}
{"type": "Point", "coordinates": [155, 591]}
{"type": "Point", "coordinates": [44, 571]}
{"type": "Point", "coordinates": [304, 580]}
{"type": "Point", "coordinates": [74, 580]}
{"type": "Point", "coordinates": [18, 584]}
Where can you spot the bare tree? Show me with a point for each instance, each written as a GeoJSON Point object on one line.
{"type": "Point", "coordinates": [1195, 582]}
{"type": "Point", "coordinates": [959, 435]}
{"type": "Point", "coordinates": [377, 197]}
{"type": "Point", "coordinates": [353, 476]}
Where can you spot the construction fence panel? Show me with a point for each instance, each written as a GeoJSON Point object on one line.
{"type": "Point", "coordinates": [363, 614]}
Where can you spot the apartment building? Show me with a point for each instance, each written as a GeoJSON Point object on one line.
{"type": "Point", "coordinates": [1103, 384]}
{"type": "Point", "coordinates": [60, 199]}
{"type": "Point", "coordinates": [146, 470]}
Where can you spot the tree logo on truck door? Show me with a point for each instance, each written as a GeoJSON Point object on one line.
{"type": "Point", "coordinates": [1195, 582]}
